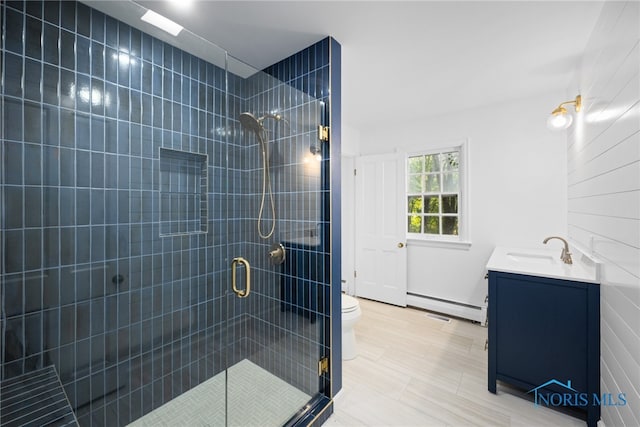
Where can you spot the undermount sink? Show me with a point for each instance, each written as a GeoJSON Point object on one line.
{"type": "Point", "coordinates": [544, 262]}
{"type": "Point", "coordinates": [531, 258]}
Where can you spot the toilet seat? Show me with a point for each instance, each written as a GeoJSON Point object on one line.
{"type": "Point", "coordinates": [349, 304]}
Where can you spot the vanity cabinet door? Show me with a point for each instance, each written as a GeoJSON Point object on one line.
{"type": "Point", "coordinates": [541, 331]}
{"type": "Point", "coordinates": [544, 329]}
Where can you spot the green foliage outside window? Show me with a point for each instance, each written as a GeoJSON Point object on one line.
{"type": "Point", "coordinates": [433, 193]}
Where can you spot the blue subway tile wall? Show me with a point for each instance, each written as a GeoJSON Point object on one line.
{"type": "Point", "coordinates": [129, 319]}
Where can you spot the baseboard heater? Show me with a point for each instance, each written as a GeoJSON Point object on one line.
{"type": "Point", "coordinates": [452, 308]}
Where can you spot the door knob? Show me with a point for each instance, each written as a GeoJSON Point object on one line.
{"type": "Point", "coordinates": [401, 245]}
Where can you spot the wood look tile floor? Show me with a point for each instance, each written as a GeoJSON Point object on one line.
{"type": "Point", "coordinates": [413, 370]}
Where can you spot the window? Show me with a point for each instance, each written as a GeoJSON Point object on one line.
{"type": "Point", "coordinates": [435, 192]}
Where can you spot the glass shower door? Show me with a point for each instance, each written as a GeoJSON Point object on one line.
{"type": "Point", "coordinates": [276, 307]}
{"type": "Point", "coordinates": [127, 188]}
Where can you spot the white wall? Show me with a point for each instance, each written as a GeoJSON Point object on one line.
{"type": "Point", "coordinates": [517, 182]}
{"type": "Point", "coordinates": [604, 194]}
{"type": "Point", "coordinates": [348, 224]}
{"type": "Point", "coordinates": [350, 141]}
{"type": "Point", "coordinates": [349, 149]}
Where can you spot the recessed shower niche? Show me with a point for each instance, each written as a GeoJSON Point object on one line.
{"type": "Point", "coordinates": [183, 193]}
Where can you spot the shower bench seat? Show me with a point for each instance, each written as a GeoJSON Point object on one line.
{"type": "Point", "coordinates": [35, 398]}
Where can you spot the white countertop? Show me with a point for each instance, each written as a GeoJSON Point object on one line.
{"type": "Point", "coordinates": [544, 263]}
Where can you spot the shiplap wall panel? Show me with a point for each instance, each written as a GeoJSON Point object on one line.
{"type": "Point", "coordinates": [613, 66]}
{"type": "Point", "coordinates": [603, 166]}
{"type": "Point", "coordinates": [625, 258]}
{"type": "Point", "coordinates": [618, 180]}
{"type": "Point", "coordinates": [624, 308]}
{"type": "Point", "coordinates": [589, 68]}
{"type": "Point", "coordinates": [617, 156]}
{"type": "Point", "coordinates": [632, 293]}
{"type": "Point", "coordinates": [621, 367]}
{"type": "Point", "coordinates": [623, 127]}
{"type": "Point", "coordinates": [619, 60]}
{"type": "Point", "coordinates": [625, 119]}
{"type": "Point", "coordinates": [607, 50]}
{"type": "Point", "coordinates": [622, 230]}
{"type": "Point", "coordinates": [623, 344]}
{"type": "Point", "coordinates": [617, 205]}
{"type": "Point", "coordinates": [615, 378]}
{"type": "Point", "coordinates": [615, 417]}
{"type": "Point", "coordinates": [597, 98]}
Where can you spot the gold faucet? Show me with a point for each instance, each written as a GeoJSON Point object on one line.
{"type": "Point", "coordinates": [565, 256]}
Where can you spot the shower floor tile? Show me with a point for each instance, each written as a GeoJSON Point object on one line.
{"type": "Point", "coordinates": [255, 398]}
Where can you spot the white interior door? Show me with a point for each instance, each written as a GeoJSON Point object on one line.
{"type": "Point", "coordinates": [381, 253]}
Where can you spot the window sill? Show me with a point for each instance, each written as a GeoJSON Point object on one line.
{"type": "Point", "coordinates": [445, 244]}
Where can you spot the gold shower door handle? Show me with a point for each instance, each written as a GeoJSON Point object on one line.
{"type": "Point", "coordinates": [241, 293]}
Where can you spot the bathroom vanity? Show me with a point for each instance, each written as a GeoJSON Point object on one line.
{"type": "Point", "coordinates": [544, 328]}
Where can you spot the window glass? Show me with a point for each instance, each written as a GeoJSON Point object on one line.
{"type": "Point", "coordinates": [450, 182]}
{"type": "Point", "coordinates": [450, 161]}
{"type": "Point", "coordinates": [432, 204]}
{"type": "Point", "coordinates": [415, 224]}
{"type": "Point", "coordinates": [416, 164]}
{"type": "Point", "coordinates": [432, 183]}
{"type": "Point", "coordinates": [431, 224]}
{"type": "Point", "coordinates": [415, 204]}
{"type": "Point", "coordinates": [450, 203]}
{"type": "Point", "coordinates": [433, 194]}
{"type": "Point", "coordinates": [450, 225]}
{"type": "Point", "coordinates": [432, 163]}
{"type": "Point", "coordinates": [415, 183]}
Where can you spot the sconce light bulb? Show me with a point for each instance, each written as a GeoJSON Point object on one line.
{"type": "Point", "coordinates": [559, 121]}
{"type": "Point", "coordinates": [318, 157]}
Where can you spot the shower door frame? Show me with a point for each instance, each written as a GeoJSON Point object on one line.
{"type": "Point", "coordinates": [320, 400]}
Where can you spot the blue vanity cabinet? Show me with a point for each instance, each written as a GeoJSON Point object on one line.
{"type": "Point", "coordinates": [546, 332]}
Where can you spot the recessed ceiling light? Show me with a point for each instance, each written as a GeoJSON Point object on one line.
{"type": "Point", "coordinates": [182, 4]}
{"type": "Point", "coordinates": [161, 22]}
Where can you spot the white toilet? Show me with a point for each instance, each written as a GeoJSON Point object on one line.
{"type": "Point", "coordinates": [351, 313]}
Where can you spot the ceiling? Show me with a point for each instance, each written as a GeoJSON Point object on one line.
{"type": "Point", "coordinates": [401, 60]}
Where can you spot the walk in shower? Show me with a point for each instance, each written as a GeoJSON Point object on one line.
{"type": "Point", "coordinates": [164, 260]}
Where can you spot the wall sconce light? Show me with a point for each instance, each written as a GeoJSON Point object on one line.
{"type": "Point", "coordinates": [316, 150]}
{"type": "Point", "coordinates": [560, 118]}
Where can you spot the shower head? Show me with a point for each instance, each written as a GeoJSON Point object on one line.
{"type": "Point", "coordinates": [249, 121]}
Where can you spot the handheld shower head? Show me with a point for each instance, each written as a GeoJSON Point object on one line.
{"type": "Point", "coordinates": [277, 117]}
{"type": "Point", "coordinates": [249, 121]}
{"type": "Point", "coordinates": [274, 116]}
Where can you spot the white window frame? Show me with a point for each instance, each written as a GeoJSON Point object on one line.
{"type": "Point", "coordinates": [462, 240]}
